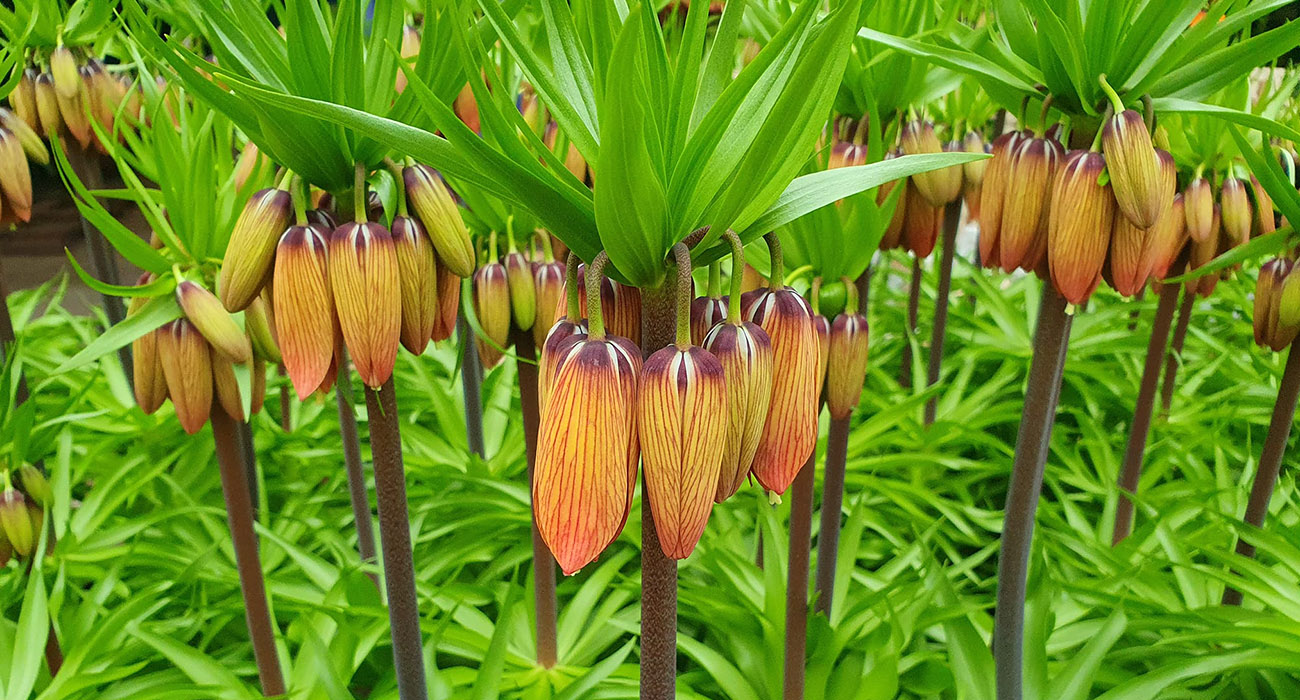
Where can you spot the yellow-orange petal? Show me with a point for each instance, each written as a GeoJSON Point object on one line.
{"type": "Point", "coordinates": [363, 276]}
{"type": "Point", "coordinates": [745, 353]}
{"type": "Point", "coordinates": [187, 365]}
{"type": "Point", "coordinates": [581, 486]}
{"type": "Point", "coordinates": [304, 308]}
{"type": "Point", "coordinates": [790, 431]}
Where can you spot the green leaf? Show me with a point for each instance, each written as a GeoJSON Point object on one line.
{"type": "Point", "coordinates": [1262, 246]}
{"type": "Point", "coordinates": [1254, 121]}
{"type": "Point", "coordinates": [164, 284]}
{"type": "Point", "coordinates": [149, 317]}
{"type": "Point", "coordinates": [200, 668]}
{"type": "Point", "coordinates": [29, 641]}
{"type": "Point", "coordinates": [815, 190]}
{"type": "Point", "coordinates": [961, 61]}
{"type": "Point", "coordinates": [1076, 679]}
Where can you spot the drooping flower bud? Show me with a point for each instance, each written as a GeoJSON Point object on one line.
{"type": "Point", "coordinates": [187, 364]}
{"type": "Point", "coordinates": [1275, 329]}
{"type": "Point", "coordinates": [997, 183]}
{"type": "Point", "coordinates": [1198, 208]}
{"type": "Point", "coordinates": [523, 290]}
{"type": "Point", "coordinates": [1235, 212]}
{"type": "Point", "coordinates": [148, 382]}
{"type": "Point", "coordinates": [1027, 208]}
{"type": "Point", "coordinates": [587, 450]}
{"type": "Point", "coordinates": [937, 187]}
{"type": "Point", "coordinates": [304, 308]}
{"type": "Point", "coordinates": [1201, 253]}
{"type": "Point", "coordinates": [364, 276]}
{"type": "Point", "coordinates": [448, 303]}
{"type": "Point", "coordinates": [681, 415]}
{"type": "Point", "coordinates": [23, 100]}
{"type": "Point", "coordinates": [211, 319]}
{"type": "Point", "coordinates": [624, 315]}
{"type": "Point", "coordinates": [258, 324]}
{"type": "Point", "coordinates": [974, 171]}
{"type": "Point", "coordinates": [1134, 169]}
{"type": "Point", "coordinates": [1082, 217]}
{"type": "Point", "coordinates": [429, 197]}
{"type": "Point", "coordinates": [249, 162]}
{"type": "Point", "coordinates": [410, 49]}
{"type": "Point", "coordinates": [16, 523]}
{"type": "Point", "coordinates": [846, 365]}
{"type": "Point", "coordinates": [47, 106]}
{"type": "Point", "coordinates": [1132, 255]}
{"type": "Point", "coordinates": [251, 251]}
{"type": "Point", "coordinates": [15, 176]}
{"type": "Point", "coordinates": [706, 312]}
{"type": "Point", "coordinates": [72, 109]}
{"type": "Point", "coordinates": [922, 224]}
{"type": "Point", "coordinates": [1265, 221]}
{"type": "Point", "coordinates": [35, 485]}
{"type": "Point", "coordinates": [790, 430]}
{"type": "Point", "coordinates": [823, 329]}
{"type": "Point", "coordinates": [63, 66]}
{"type": "Point", "coordinates": [893, 236]}
{"type": "Point", "coordinates": [745, 352]}
{"type": "Point", "coordinates": [1168, 237]}
{"type": "Point", "coordinates": [548, 282]}
{"type": "Point", "coordinates": [418, 277]}
{"type": "Point", "coordinates": [226, 388]}
{"type": "Point", "coordinates": [492, 306]}
{"type": "Point", "coordinates": [33, 146]}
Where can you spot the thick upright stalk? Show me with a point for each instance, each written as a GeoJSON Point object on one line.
{"type": "Point", "coordinates": [828, 537]}
{"type": "Point", "coordinates": [1146, 398]}
{"type": "Point", "coordinates": [1175, 356]}
{"type": "Point", "coordinates": [86, 165]}
{"type": "Point", "coordinates": [395, 538]}
{"type": "Point", "coordinates": [248, 452]}
{"type": "Point", "coordinates": [863, 283]}
{"type": "Point", "coordinates": [913, 308]}
{"type": "Point", "coordinates": [543, 562]}
{"type": "Point", "coordinates": [471, 378]}
{"type": "Point", "coordinates": [658, 572]}
{"type": "Point", "coordinates": [353, 465]}
{"type": "Point", "coordinates": [796, 586]}
{"type": "Point", "coordinates": [1041, 395]}
{"type": "Point", "coordinates": [1270, 460]}
{"type": "Point", "coordinates": [286, 418]}
{"type": "Point", "coordinates": [239, 516]}
{"type": "Point", "coordinates": [951, 220]}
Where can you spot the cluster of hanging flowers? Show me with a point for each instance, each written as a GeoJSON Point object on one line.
{"type": "Point", "coordinates": [735, 395]}
{"type": "Point", "coordinates": [1108, 213]}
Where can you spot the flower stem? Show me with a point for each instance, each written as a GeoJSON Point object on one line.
{"type": "Point", "coordinates": [596, 315]}
{"type": "Point", "coordinates": [239, 517]}
{"type": "Point", "coordinates": [776, 276]}
{"type": "Point", "coordinates": [828, 538]}
{"type": "Point", "coordinates": [359, 198]}
{"type": "Point", "coordinates": [352, 462]}
{"type": "Point", "coordinates": [913, 308]}
{"type": "Point", "coordinates": [471, 379]}
{"type": "Point", "coordinates": [737, 277]}
{"type": "Point", "coordinates": [1270, 460]}
{"type": "Point", "coordinates": [1175, 356]}
{"type": "Point", "coordinates": [685, 292]}
{"type": "Point", "coordinates": [286, 419]}
{"type": "Point", "coordinates": [543, 561]}
{"type": "Point", "coordinates": [1141, 426]}
{"type": "Point", "coordinates": [796, 586]}
{"type": "Point", "coordinates": [951, 220]}
{"type": "Point", "coordinates": [395, 537]}
{"type": "Point", "coordinates": [658, 572]}
{"type": "Point", "coordinates": [1041, 395]}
